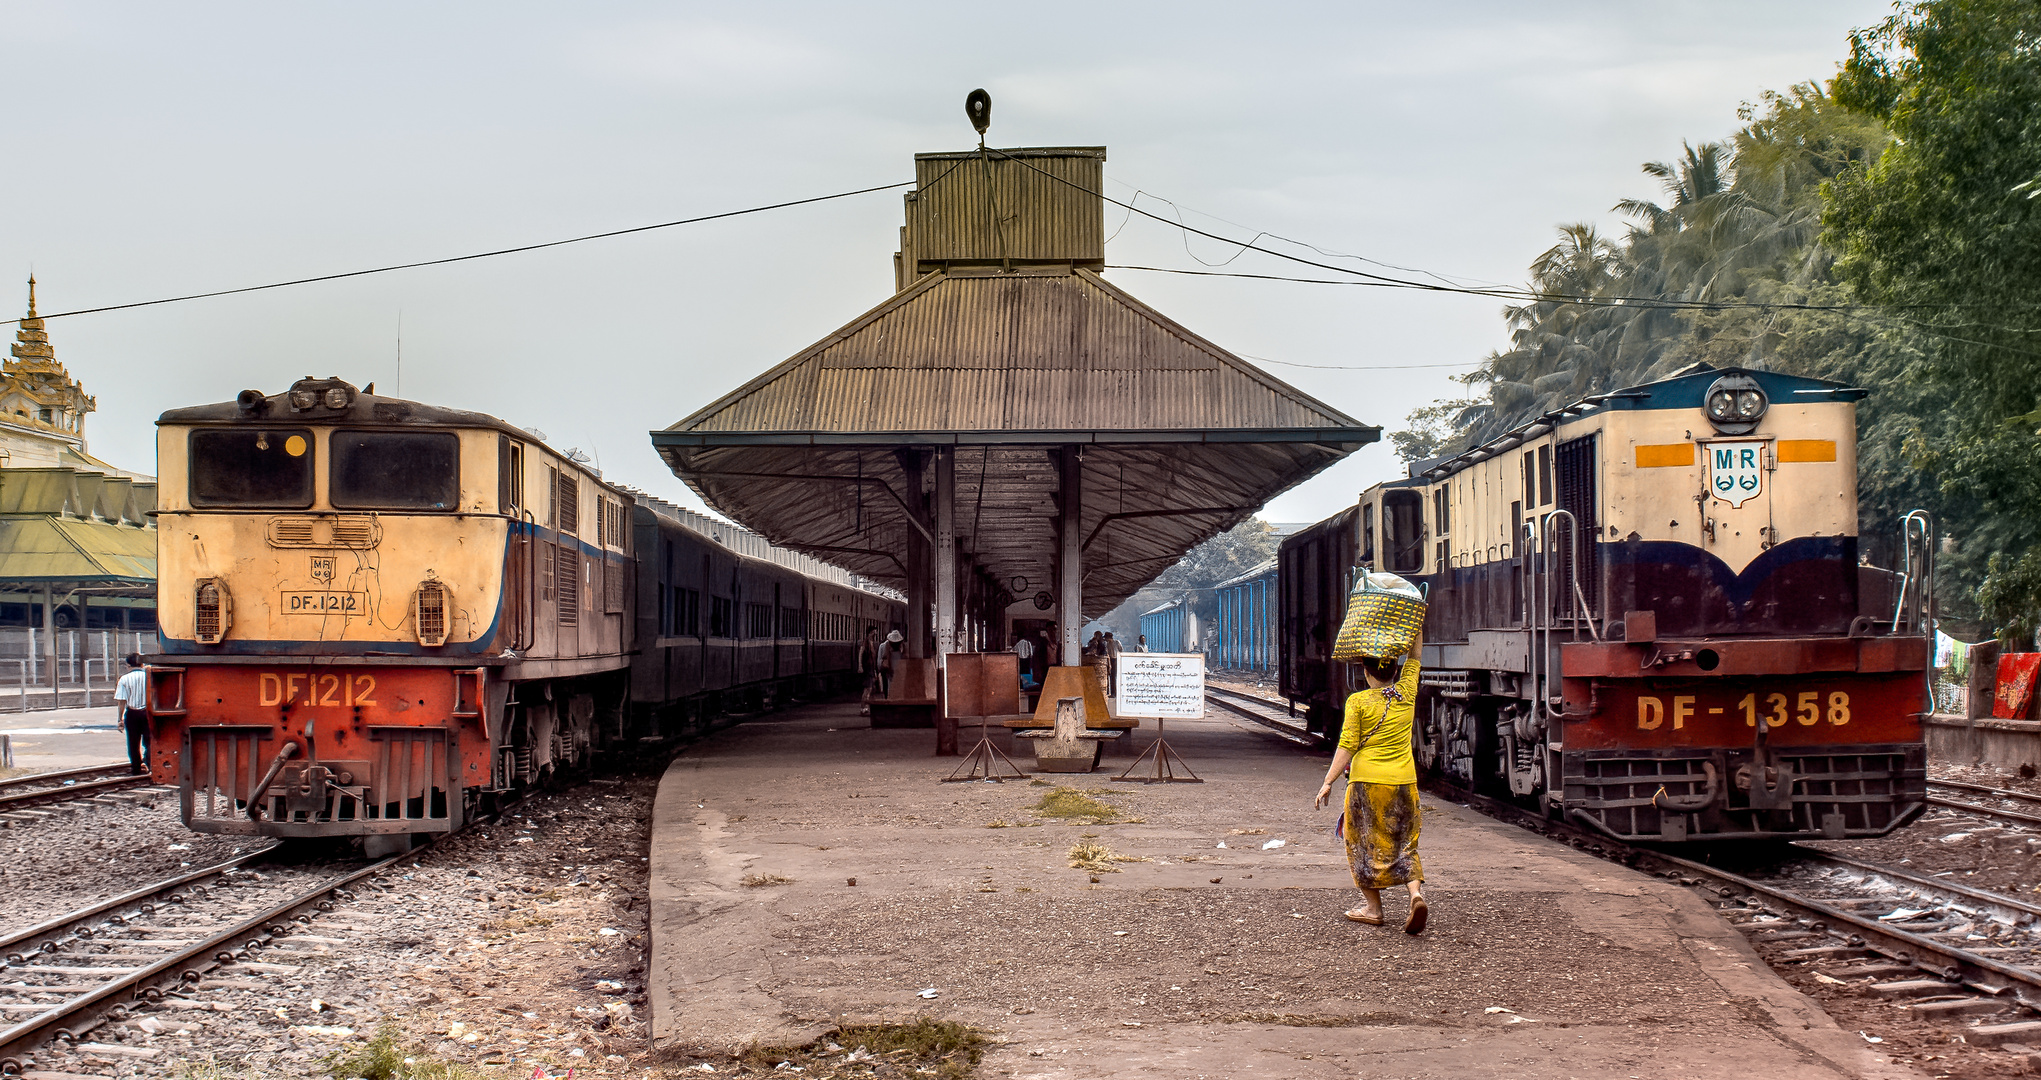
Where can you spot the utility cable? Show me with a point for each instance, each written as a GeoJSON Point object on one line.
{"type": "Point", "coordinates": [477, 255]}
{"type": "Point", "coordinates": [1499, 292]}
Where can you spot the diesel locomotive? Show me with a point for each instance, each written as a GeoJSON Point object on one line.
{"type": "Point", "coordinates": [375, 613]}
{"type": "Point", "coordinates": [1648, 615]}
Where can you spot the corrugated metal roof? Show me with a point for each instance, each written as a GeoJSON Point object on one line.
{"type": "Point", "coordinates": [1264, 570]}
{"type": "Point", "coordinates": [42, 548]}
{"type": "Point", "coordinates": [986, 350]}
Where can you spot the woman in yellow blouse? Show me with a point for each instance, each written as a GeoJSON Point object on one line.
{"type": "Point", "coordinates": [1381, 820]}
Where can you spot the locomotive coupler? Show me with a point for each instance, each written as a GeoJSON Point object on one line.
{"type": "Point", "coordinates": [1768, 782]}
{"type": "Point", "coordinates": [305, 788]}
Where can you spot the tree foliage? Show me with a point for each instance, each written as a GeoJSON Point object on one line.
{"type": "Point", "coordinates": [1883, 230]}
{"type": "Point", "coordinates": [1943, 229]}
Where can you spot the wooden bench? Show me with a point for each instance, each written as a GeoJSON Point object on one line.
{"type": "Point", "coordinates": [910, 699]}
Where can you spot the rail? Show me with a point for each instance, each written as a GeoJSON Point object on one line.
{"type": "Point", "coordinates": [1961, 967]}
{"type": "Point", "coordinates": [23, 800]}
{"type": "Point", "coordinates": [110, 999]}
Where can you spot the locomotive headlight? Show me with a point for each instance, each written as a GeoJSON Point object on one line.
{"type": "Point", "coordinates": [337, 397]}
{"type": "Point", "coordinates": [1735, 404]}
{"type": "Point", "coordinates": [304, 399]}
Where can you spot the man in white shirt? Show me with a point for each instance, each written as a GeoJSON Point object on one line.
{"type": "Point", "coordinates": [131, 696]}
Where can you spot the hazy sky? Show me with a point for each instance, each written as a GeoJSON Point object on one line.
{"type": "Point", "coordinates": [157, 149]}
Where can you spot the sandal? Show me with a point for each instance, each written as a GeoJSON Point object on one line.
{"type": "Point", "coordinates": [1364, 918]}
{"type": "Point", "coordinates": [1419, 912]}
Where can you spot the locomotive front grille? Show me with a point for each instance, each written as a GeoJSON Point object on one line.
{"type": "Point", "coordinates": [1810, 792]}
{"type": "Point", "coordinates": [401, 788]}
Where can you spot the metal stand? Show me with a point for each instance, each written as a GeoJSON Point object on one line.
{"type": "Point", "coordinates": [983, 762]}
{"type": "Point", "coordinates": [1165, 771]}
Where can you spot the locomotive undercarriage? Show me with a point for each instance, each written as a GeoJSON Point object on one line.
{"type": "Point", "coordinates": [1502, 744]}
{"type": "Point", "coordinates": [400, 782]}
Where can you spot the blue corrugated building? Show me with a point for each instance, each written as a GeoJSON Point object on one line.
{"type": "Point", "coordinates": [1170, 628]}
{"type": "Point", "coordinates": [1243, 636]}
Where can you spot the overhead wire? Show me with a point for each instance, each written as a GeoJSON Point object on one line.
{"type": "Point", "coordinates": [479, 254]}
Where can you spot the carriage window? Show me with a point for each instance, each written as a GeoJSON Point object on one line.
{"type": "Point", "coordinates": [396, 470]}
{"type": "Point", "coordinates": [1403, 531]}
{"type": "Point", "coordinates": [239, 467]}
{"type": "Point", "coordinates": [1368, 536]}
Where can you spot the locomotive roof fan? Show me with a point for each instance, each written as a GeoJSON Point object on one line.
{"type": "Point", "coordinates": [1735, 404]}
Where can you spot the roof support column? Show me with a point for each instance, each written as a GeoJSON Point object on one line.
{"type": "Point", "coordinates": [918, 570]}
{"type": "Point", "coordinates": [946, 551]}
{"type": "Point", "coordinates": [50, 639]}
{"type": "Point", "coordinates": [1070, 563]}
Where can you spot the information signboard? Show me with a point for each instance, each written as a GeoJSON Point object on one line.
{"type": "Point", "coordinates": [1161, 685]}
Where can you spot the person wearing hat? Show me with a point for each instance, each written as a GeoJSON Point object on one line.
{"type": "Point", "coordinates": [888, 653]}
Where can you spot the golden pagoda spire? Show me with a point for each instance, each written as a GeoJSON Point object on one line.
{"type": "Point", "coordinates": [32, 342]}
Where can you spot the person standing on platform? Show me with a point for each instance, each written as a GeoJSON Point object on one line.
{"type": "Point", "coordinates": [868, 668]}
{"type": "Point", "coordinates": [131, 695]}
{"type": "Point", "coordinates": [1024, 651]}
{"type": "Point", "coordinates": [1141, 643]}
{"type": "Point", "coordinates": [1051, 652]}
{"type": "Point", "coordinates": [1110, 649]}
{"type": "Point", "coordinates": [889, 651]}
{"type": "Point", "coordinates": [1380, 824]}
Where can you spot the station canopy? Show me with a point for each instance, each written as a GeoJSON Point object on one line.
{"type": "Point", "coordinates": [1006, 346]}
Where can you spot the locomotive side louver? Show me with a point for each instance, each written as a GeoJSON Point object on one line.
{"type": "Point", "coordinates": [212, 611]}
{"type": "Point", "coordinates": [428, 610]}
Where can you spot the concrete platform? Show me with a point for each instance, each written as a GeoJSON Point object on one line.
{"type": "Point", "coordinates": [64, 738]}
{"type": "Point", "coordinates": [1540, 962]}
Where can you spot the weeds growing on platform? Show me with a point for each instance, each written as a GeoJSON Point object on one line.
{"type": "Point", "coordinates": [762, 881]}
{"type": "Point", "coordinates": [923, 1046]}
{"type": "Point", "coordinates": [1078, 807]}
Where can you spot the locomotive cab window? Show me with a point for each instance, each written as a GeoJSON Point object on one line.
{"type": "Point", "coordinates": [395, 470]}
{"type": "Point", "coordinates": [239, 467]}
{"type": "Point", "coordinates": [1403, 531]}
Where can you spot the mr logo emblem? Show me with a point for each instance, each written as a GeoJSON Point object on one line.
{"type": "Point", "coordinates": [1736, 470]}
{"type": "Point", "coordinates": [322, 569]}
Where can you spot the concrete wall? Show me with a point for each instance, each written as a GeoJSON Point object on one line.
{"type": "Point", "coordinates": [2002, 744]}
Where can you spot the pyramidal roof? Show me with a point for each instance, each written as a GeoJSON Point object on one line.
{"type": "Point", "coordinates": [982, 350]}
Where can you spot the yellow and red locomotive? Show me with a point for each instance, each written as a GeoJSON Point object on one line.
{"type": "Point", "coordinates": [375, 612]}
{"type": "Point", "coordinates": [1648, 614]}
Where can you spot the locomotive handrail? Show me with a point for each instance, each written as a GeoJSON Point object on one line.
{"type": "Point", "coordinates": [1914, 587]}
{"type": "Point", "coordinates": [530, 629]}
{"type": "Point", "coordinates": [1915, 609]}
{"type": "Point", "coordinates": [1582, 613]}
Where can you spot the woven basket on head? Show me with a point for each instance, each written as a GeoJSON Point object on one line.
{"type": "Point", "coordinates": [1383, 616]}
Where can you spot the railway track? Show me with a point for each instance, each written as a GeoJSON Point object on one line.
{"type": "Point", "coordinates": [68, 975]}
{"type": "Point", "coordinates": [1970, 799]}
{"type": "Point", "coordinates": [21, 796]}
{"type": "Point", "coordinates": [1262, 711]}
{"type": "Point", "coordinates": [1958, 956]}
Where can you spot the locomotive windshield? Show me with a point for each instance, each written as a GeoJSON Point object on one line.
{"type": "Point", "coordinates": [239, 467]}
{"type": "Point", "coordinates": [396, 470]}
